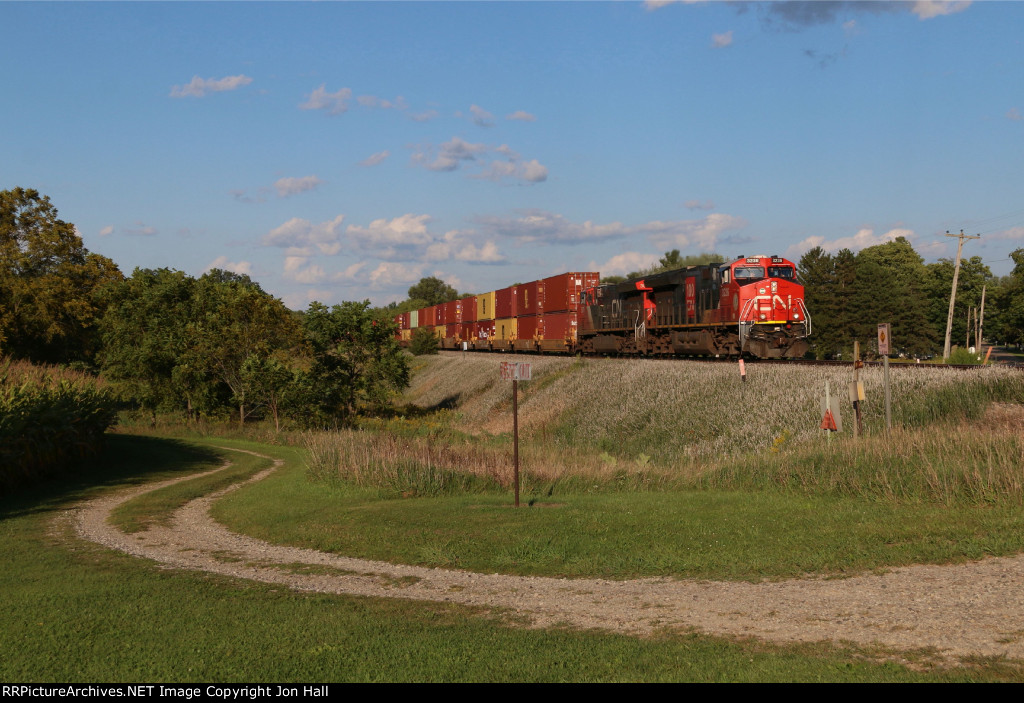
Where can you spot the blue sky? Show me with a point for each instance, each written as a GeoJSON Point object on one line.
{"type": "Point", "coordinates": [342, 151]}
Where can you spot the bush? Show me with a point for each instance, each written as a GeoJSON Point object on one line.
{"type": "Point", "coordinates": [423, 342]}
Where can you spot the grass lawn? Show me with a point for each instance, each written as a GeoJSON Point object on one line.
{"type": "Point", "coordinates": [78, 612]}
{"type": "Point", "coordinates": [713, 534]}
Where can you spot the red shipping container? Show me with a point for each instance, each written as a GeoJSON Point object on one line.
{"type": "Point", "coordinates": [528, 298]}
{"type": "Point", "coordinates": [485, 329]}
{"type": "Point", "coordinates": [561, 325]}
{"type": "Point", "coordinates": [528, 327]}
{"type": "Point", "coordinates": [452, 329]}
{"type": "Point", "coordinates": [428, 316]}
{"type": "Point", "coordinates": [505, 303]}
{"type": "Point", "coordinates": [561, 293]}
{"type": "Point", "coordinates": [452, 312]}
{"type": "Point", "coordinates": [468, 309]}
{"type": "Point", "coordinates": [469, 330]}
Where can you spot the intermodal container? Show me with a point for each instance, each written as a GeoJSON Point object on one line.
{"type": "Point", "coordinates": [528, 298]}
{"type": "Point", "coordinates": [561, 293]}
{"type": "Point", "coordinates": [452, 312]}
{"type": "Point", "coordinates": [414, 319]}
{"type": "Point", "coordinates": [485, 306]}
{"type": "Point", "coordinates": [468, 330]}
{"type": "Point", "coordinates": [428, 316]}
{"type": "Point", "coordinates": [528, 327]}
{"type": "Point", "coordinates": [559, 325]}
{"type": "Point", "coordinates": [452, 329]}
{"type": "Point", "coordinates": [485, 329]}
{"type": "Point", "coordinates": [505, 303]}
{"type": "Point", "coordinates": [505, 329]}
{"type": "Point", "coordinates": [468, 309]}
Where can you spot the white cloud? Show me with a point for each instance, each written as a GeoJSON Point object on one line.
{"type": "Point", "coordinates": [552, 228]}
{"type": "Point", "coordinates": [522, 116]}
{"type": "Point", "coordinates": [1014, 114]}
{"type": "Point", "coordinates": [333, 103]}
{"type": "Point", "coordinates": [401, 238]}
{"type": "Point", "coordinates": [720, 41]}
{"type": "Point", "coordinates": [375, 159]}
{"type": "Point", "coordinates": [389, 274]}
{"type": "Point", "coordinates": [222, 263]}
{"type": "Point", "coordinates": [298, 269]}
{"type": "Point", "coordinates": [863, 239]}
{"type": "Point", "coordinates": [199, 87]}
{"type": "Point", "coordinates": [108, 230]}
{"type": "Point", "coordinates": [350, 272]}
{"type": "Point", "coordinates": [627, 262]}
{"type": "Point", "coordinates": [531, 171]}
{"type": "Point", "coordinates": [456, 244]}
{"type": "Point", "coordinates": [481, 117]}
{"type": "Point", "coordinates": [450, 155]}
{"type": "Point", "coordinates": [926, 9]}
{"type": "Point", "coordinates": [299, 235]}
{"type": "Point", "coordinates": [291, 186]}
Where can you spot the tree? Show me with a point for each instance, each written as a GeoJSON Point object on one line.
{"type": "Point", "coordinates": [356, 362]}
{"type": "Point", "coordinates": [1008, 302]}
{"type": "Point", "coordinates": [48, 282]}
{"type": "Point", "coordinates": [145, 337]}
{"type": "Point", "coordinates": [433, 291]}
{"type": "Point", "coordinates": [236, 328]}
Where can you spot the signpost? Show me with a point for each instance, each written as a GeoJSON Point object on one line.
{"type": "Point", "coordinates": [884, 336]}
{"type": "Point", "coordinates": [515, 371]}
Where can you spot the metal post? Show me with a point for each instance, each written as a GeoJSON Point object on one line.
{"type": "Point", "coordinates": [515, 435]}
{"type": "Point", "coordinates": [856, 378]}
{"type": "Point", "coordinates": [888, 396]}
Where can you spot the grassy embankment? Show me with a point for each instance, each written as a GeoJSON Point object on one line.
{"type": "Point", "coordinates": [77, 612]}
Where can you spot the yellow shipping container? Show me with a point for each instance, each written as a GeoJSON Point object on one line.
{"type": "Point", "coordinates": [505, 329]}
{"type": "Point", "coordinates": [485, 306]}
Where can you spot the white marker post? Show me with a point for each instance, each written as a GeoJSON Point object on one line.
{"type": "Point", "coordinates": [515, 371]}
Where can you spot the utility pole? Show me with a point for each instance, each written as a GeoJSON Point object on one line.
{"type": "Point", "coordinates": [952, 295]}
{"type": "Point", "coordinates": [980, 321]}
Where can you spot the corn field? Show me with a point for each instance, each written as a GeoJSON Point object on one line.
{"type": "Point", "coordinates": [49, 418]}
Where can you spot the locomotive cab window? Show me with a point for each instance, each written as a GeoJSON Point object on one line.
{"type": "Point", "coordinates": [748, 274]}
{"type": "Point", "coordinates": [781, 272]}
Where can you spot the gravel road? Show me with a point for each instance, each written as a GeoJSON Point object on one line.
{"type": "Point", "coordinates": [956, 611]}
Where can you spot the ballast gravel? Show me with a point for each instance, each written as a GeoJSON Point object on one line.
{"type": "Point", "coordinates": [944, 614]}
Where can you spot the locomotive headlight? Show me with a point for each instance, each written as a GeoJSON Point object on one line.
{"type": "Point", "coordinates": [775, 286]}
{"type": "Point", "coordinates": [763, 316]}
{"type": "Point", "coordinates": [796, 316]}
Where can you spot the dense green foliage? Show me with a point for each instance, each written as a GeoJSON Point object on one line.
{"type": "Point", "coordinates": [48, 281]}
{"type": "Point", "coordinates": [423, 342]}
{"type": "Point", "coordinates": [671, 260]}
{"type": "Point", "coordinates": [49, 419]}
{"type": "Point", "coordinates": [850, 294]}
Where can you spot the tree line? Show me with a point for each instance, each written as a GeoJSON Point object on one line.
{"type": "Point", "coordinates": [169, 342]}
{"type": "Point", "coordinates": [849, 294]}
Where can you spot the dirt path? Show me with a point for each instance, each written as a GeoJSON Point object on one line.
{"type": "Point", "coordinates": [959, 611]}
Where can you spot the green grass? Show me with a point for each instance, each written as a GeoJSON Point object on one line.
{"type": "Point", "coordinates": [77, 612]}
{"type": "Point", "coordinates": [714, 534]}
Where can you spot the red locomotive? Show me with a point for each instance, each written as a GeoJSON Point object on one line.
{"type": "Point", "coordinates": [752, 306]}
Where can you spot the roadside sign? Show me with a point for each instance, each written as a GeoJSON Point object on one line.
{"type": "Point", "coordinates": [883, 339]}
{"type": "Point", "coordinates": [515, 371]}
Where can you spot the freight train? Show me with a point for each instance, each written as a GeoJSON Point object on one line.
{"type": "Point", "coordinates": [752, 306]}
